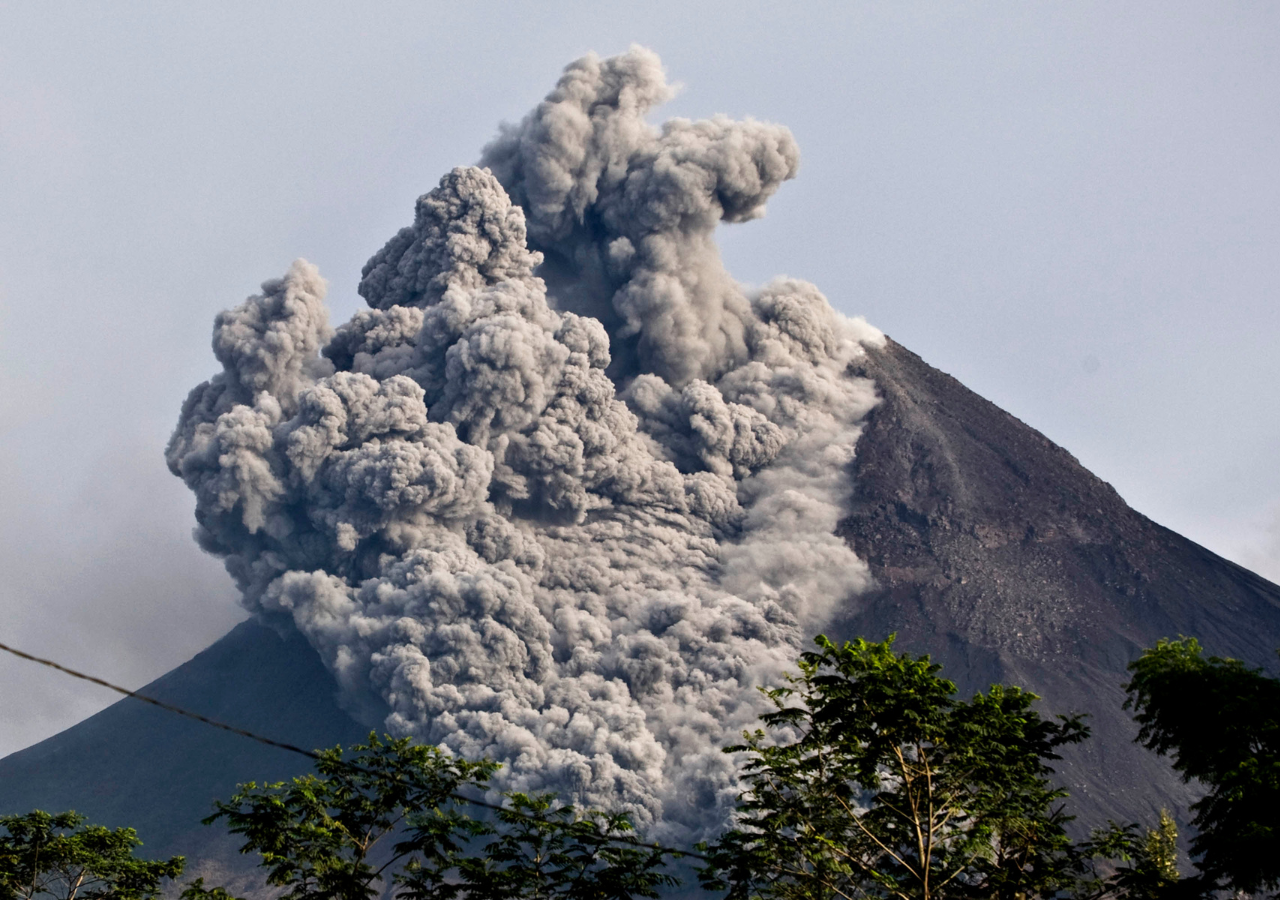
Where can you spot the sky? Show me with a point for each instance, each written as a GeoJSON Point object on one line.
{"type": "Point", "coordinates": [1074, 208]}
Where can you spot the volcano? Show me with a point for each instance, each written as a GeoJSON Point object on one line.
{"type": "Point", "coordinates": [998, 554]}
{"type": "Point", "coordinates": [992, 548]}
{"type": "Point", "coordinates": [566, 493]}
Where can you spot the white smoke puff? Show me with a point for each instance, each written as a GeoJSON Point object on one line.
{"type": "Point", "coordinates": [270, 342]}
{"type": "Point", "coordinates": [554, 163]}
{"type": "Point", "coordinates": [349, 409]}
{"type": "Point", "coordinates": [491, 545]}
{"type": "Point", "coordinates": [467, 234]}
{"type": "Point", "coordinates": [223, 446]}
{"type": "Point", "coordinates": [377, 342]}
{"type": "Point", "coordinates": [267, 346]}
{"type": "Point", "coordinates": [700, 430]}
{"type": "Point", "coordinates": [794, 316]}
{"type": "Point", "coordinates": [645, 261]}
{"type": "Point", "coordinates": [230, 463]}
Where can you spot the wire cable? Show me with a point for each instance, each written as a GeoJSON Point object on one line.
{"type": "Point", "coordinates": [160, 703]}
{"type": "Point", "coordinates": [293, 748]}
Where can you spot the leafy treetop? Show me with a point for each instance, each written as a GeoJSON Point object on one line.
{"type": "Point", "coordinates": [1219, 721]}
{"type": "Point", "coordinates": [45, 856]}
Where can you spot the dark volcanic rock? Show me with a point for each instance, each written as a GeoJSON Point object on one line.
{"type": "Point", "coordinates": [999, 554]}
{"type": "Point", "coordinates": [995, 551]}
{"type": "Point", "coordinates": [133, 764]}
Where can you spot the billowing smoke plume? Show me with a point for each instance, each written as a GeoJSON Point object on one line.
{"type": "Point", "coordinates": [565, 494]}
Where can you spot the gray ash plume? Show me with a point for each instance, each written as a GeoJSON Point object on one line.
{"type": "Point", "coordinates": [566, 493]}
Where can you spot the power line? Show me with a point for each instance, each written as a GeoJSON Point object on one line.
{"type": "Point", "coordinates": [160, 703]}
{"type": "Point", "coordinates": [293, 748]}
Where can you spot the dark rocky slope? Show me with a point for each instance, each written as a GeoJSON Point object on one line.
{"type": "Point", "coordinates": [133, 764]}
{"type": "Point", "coordinates": [995, 551]}
{"type": "Point", "coordinates": [1000, 555]}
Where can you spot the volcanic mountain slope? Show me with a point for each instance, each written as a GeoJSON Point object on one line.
{"type": "Point", "coordinates": [135, 765]}
{"type": "Point", "coordinates": [994, 550]}
{"type": "Point", "coordinates": [999, 554]}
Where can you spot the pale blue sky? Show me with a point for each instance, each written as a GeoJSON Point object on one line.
{"type": "Point", "coordinates": [1072, 207]}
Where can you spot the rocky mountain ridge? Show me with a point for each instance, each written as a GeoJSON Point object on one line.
{"type": "Point", "coordinates": [993, 550]}
{"type": "Point", "coordinates": [996, 552]}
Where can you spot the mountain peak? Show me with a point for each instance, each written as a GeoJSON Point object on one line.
{"type": "Point", "coordinates": [996, 552]}
{"type": "Point", "coordinates": [992, 549]}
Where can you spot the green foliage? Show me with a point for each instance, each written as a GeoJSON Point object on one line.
{"type": "Point", "coordinates": [870, 779]}
{"type": "Point", "coordinates": [325, 836]}
{"type": "Point", "coordinates": [43, 855]}
{"type": "Point", "coordinates": [540, 850]}
{"type": "Point", "coordinates": [1219, 720]}
{"type": "Point", "coordinates": [1160, 850]}
{"type": "Point", "coordinates": [874, 781]}
{"type": "Point", "coordinates": [1150, 863]}
{"type": "Point", "coordinates": [197, 891]}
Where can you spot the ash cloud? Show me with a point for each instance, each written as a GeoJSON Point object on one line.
{"type": "Point", "coordinates": [565, 494]}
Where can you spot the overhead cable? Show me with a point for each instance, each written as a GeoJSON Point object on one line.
{"type": "Point", "coordinates": [293, 748]}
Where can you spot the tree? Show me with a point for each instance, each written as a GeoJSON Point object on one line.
{"type": "Point", "coordinates": [870, 779]}
{"type": "Point", "coordinates": [326, 836]}
{"type": "Point", "coordinates": [875, 781]}
{"type": "Point", "coordinates": [1219, 721]}
{"type": "Point", "coordinates": [539, 849]}
{"type": "Point", "coordinates": [57, 856]}
{"type": "Point", "coordinates": [1149, 869]}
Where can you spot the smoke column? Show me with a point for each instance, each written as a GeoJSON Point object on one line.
{"type": "Point", "coordinates": [564, 495]}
